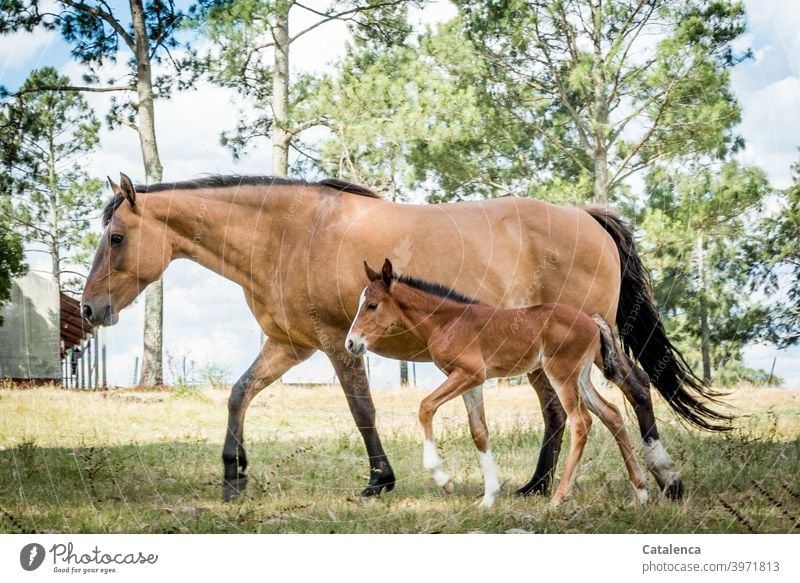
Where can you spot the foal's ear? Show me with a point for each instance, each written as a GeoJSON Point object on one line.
{"type": "Point", "coordinates": [114, 186]}
{"type": "Point", "coordinates": [387, 272]}
{"type": "Point", "coordinates": [126, 186]}
{"type": "Point", "coordinates": [372, 275]}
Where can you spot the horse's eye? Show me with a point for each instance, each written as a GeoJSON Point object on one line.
{"type": "Point", "coordinates": [116, 239]}
{"type": "Point", "coordinates": [372, 306]}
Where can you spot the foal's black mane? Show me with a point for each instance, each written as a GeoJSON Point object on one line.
{"type": "Point", "coordinates": [436, 289]}
{"type": "Point", "coordinates": [224, 181]}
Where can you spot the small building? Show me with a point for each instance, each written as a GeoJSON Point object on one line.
{"type": "Point", "coordinates": [44, 338]}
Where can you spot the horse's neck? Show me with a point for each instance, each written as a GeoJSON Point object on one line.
{"type": "Point", "coordinates": [222, 229]}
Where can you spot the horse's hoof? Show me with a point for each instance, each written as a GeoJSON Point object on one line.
{"type": "Point", "coordinates": [448, 487]}
{"type": "Point", "coordinates": [674, 490]}
{"type": "Point", "coordinates": [538, 488]}
{"type": "Point", "coordinates": [377, 486]}
{"type": "Point", "coordinates": [641, 496]}
{"type": "Point", "coordinates": [232, 488]}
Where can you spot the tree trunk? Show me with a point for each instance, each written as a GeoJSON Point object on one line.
{"type": "Point", "coordinates": [152, 357]}
{"type": "Point", "coordinates": [703, 304]}
{"type": "Point", "coordinates": [280, 91]}
{"type": "Point", "coordinates": [600, 116]}
{"type": "Point", "coordinates": [53, 219]}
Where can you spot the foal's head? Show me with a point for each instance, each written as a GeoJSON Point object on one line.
{"type": "Point", "coordinates": [378, 312]}
{"type": "Point", "coordinates": [132, 253]}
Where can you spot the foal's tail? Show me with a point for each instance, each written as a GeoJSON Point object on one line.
{"type": "Point", "coordinates": [615, 365]}
{"type": "Point", "coordinates": [644, 338]}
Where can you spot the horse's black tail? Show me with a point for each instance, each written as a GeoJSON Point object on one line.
{"type": "Point", "coordinates": [644, 338]}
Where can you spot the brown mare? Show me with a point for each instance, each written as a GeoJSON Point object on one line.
{"type": "Point", "coordinates": [285, 241]}
{"type": "Point", "coordinates": [472, 342]}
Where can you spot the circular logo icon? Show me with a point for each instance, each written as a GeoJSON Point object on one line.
{"type": "Point", "coordinates": [31, 556]}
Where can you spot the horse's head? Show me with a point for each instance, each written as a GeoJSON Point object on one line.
{"type": "Point", "coordinates": [132, 253]}
{"type": "Point", "coordinates": [378, 312]}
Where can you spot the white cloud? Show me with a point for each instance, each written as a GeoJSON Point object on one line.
{"type": "Point", "coordinates": [24, 50]}
{"type": "Point", "coordinates": [770, 125]}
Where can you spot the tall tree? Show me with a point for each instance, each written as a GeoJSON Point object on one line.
{"type": "Point", "coordinates": [99, 33]}
{"type": "Point", "coordinates": [252, 50]}
{"type": "Point", "coordinates": [696, 225]}
{"type": "Point", "coordinates": [601, 90]}
{"type": "Point", "coordinates": [387, 105]}
{"type": "Point", "coordinates": [44, 136]}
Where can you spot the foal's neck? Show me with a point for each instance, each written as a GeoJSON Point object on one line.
{"type": "Point", "coordinates": [425, 312]}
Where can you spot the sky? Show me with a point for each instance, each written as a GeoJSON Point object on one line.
{"type": "Point", "coordinates": [206, 319]}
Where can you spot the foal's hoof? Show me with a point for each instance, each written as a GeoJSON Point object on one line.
{"type": "Point", "coordinates": [232, 488]}
{"type": "Point", "coordinates": [448, 487]}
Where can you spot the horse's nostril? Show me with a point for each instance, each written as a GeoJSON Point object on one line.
{"type": "Point", "coordinates": [87, 311]}
{"type": "Point", "coordinates": [349, 344]}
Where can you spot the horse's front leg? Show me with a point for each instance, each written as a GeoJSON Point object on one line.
{"type": "Point", "coordinates": [355, 385]}
{"type": "Point", "coordinates": [457, 383]}
{"type": "Point", "coordinates": [473, 400]}
{"type": "Point", "coordinates": [270, 364]}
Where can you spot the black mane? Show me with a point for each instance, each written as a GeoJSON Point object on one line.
{"type": "Point", "coordinates": [436, 289]}
{"type": "Point", "coordinates": [226, 181]}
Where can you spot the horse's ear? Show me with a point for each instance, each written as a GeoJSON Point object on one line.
{"type": "Point", "coordinates": [372, 275]}
{"type": "Point", "coordinates": [128, 191]}
{"type": "Point", "coordinates": [387, 272]}
{"type": "Point", "coordinates": [114, 186]}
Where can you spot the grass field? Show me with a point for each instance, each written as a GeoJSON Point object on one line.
{"type": "Point", "coordinates": [149, 462]}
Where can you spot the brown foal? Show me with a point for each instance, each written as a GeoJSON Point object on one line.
{"type": "Point", "coordinates": [472, 342]}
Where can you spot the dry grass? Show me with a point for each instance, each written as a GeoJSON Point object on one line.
{"type": "Point", "coordinates": [128, 461]}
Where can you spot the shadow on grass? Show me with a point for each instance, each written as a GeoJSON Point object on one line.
{"type": "Point", "coordinates": [745, 482]}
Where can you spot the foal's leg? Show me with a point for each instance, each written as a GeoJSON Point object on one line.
{"type": "Point", "coordinates": [580, 422]}
{"type": "Point", "coordinates": [355, 384]}
{"type": "Point", "coordinates": [473, 399]}
{"type": "Point", "coordinates": [273, 360]}
{"type": "Point", "coordinates": [635, 385]}
{"type": "Point", "coordinates": [554, 422]}
{"type": "Point", "coordinates": [611, 418]}
{"type": "Point", "coordinates": [456, 384]}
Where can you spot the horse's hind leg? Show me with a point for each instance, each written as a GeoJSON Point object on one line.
{"type": "Point", "coordinates": [635, 385]}
{"type": "Point", "coordinates": [611, 418]}
{"type": "Point", "coordinates": [555, 420]}
{"type": "Point", "coordinates": [273, 360]}
{"type": "Point", "coordinates": [473, 400]}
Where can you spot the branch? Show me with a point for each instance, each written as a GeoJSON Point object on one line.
{"type": "Point", "coordinates": [326, 17]}
{"type": "Point", "coordinates": [107, 16]}
{"type": "Point", "coordinates": [86, 88]}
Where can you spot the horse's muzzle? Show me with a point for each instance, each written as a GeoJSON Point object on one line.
{"type": "Point", "coordinates": [105, 316]}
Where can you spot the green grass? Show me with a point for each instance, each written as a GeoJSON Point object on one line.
{"type": "Point", "coordinates": [149, 462]}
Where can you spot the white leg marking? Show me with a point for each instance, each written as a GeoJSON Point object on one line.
{"type": "Point", "coordinates": [431, 461]}
{"type": "Point", "coordinates": [641, 495]}
{"type": "Point", "coordinates": [490, 483]}
{"type": "Point", "coordinates": [658, 461]}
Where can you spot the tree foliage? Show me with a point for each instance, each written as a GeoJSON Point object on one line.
{"type": "Point", "coordinates": [600, 90]}
{"type": "Point", "coordinates": [45, 136]}
{"type": "Point", "coordinates": [774, 259]}
{"type": "Point", "coordinates": [694, 224]}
